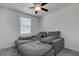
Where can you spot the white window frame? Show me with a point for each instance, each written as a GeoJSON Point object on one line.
{"type": "Point", "coordinates": [24, 30]}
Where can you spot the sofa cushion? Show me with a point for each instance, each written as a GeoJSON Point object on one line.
{"type": "Point", "coordinates": [55, 33]}
{"type": "Point", "coordinates": [48, 39]}
{"type": "Point", "coordinates": [19, 42]}
{"type": "Point", "coordinates": [34, 48]}
{"type": "Point", "coordinates": [26, 37]}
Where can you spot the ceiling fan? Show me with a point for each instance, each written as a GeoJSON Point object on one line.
{"type": "Point", "coordinates": [39, 7]}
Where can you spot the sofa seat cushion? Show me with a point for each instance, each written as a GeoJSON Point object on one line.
{"type": "Point", "coordinates": [19, 42]}
{"type": "Point", "coordinates": [34, 48]}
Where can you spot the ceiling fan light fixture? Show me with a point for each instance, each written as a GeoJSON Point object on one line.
{"type": "Point", "coordinates": [38, 7]}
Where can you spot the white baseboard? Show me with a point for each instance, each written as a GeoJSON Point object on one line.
{"type": "Point", "coordinates": [72, 49]}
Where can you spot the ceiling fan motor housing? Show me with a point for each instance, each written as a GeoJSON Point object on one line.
{"type": "Point", "coordinates": [38, 7]}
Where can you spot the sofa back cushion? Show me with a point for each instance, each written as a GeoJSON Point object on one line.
{"type": "Point", "coordinates": [54, 33]}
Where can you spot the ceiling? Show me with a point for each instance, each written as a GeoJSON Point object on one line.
{"type": "Point", "coordinates": [24, 7]}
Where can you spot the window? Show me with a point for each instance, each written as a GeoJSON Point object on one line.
{"type": "Point", "coordinates": [25, 25]}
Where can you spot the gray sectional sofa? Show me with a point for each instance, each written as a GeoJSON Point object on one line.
{"type": "Point", "coordinates": [42, 44]}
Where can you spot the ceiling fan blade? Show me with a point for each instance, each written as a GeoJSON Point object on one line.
{"type": "Point", "coordinates": [43, 4]}
{"type": "Point", "coordinates": [44, 9]}
{"type": "Point", "coordinates": [31, 7]}
{"type": "Point", "coordinates": [36, 12]}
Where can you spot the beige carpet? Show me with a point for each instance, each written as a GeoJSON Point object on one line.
{"type": "Point", "coordinates": [13, 52]}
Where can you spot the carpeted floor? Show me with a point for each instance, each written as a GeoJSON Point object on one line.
{"type": "Point", "coordinates": [68, 52]}
{"type": "Point", "coordinates": [13, 52]}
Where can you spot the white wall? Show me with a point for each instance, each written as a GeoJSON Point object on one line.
{"type": "Point", "coordinates": [65, 20]}
{"type": "Point", "coordinates": [10, 26]}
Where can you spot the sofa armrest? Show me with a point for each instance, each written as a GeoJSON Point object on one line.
{"type": "Point", "coordinates": [26, 37]}
{"type": "Point", "coordinates": [58, 44]}
{"type": "Point", "coordinates": [57, 40]}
